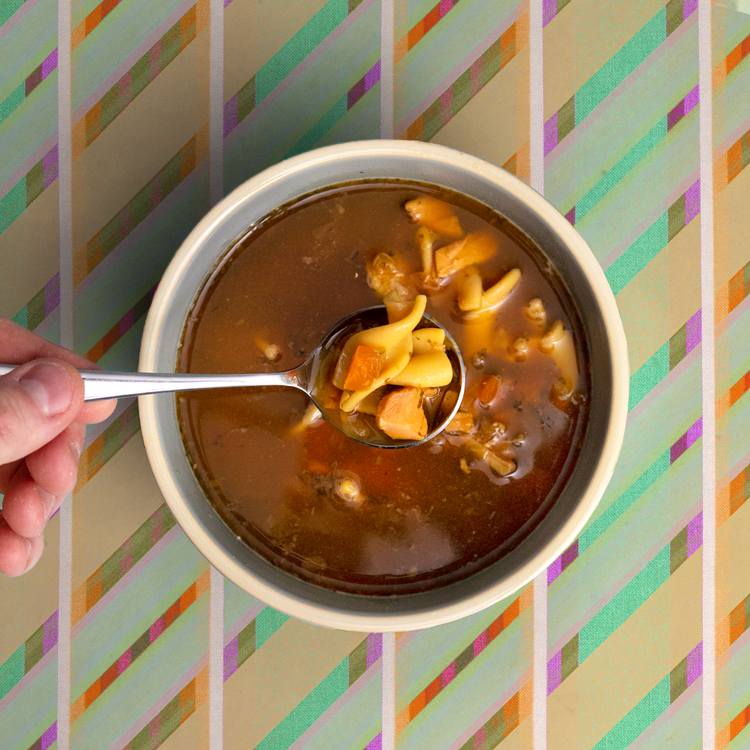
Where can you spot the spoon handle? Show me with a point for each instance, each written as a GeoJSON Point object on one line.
{"type": "Point", "coordinates": [100, 384]}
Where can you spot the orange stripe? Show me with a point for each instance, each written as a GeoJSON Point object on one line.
{"type": "Point", "coordinates": [510, 714]}
{"type": "Point", "coordinates": [93, 19]}
{"type": "Point", "coordinates": [734, 58]}
{"type": "Point", "coordinates": [431, 19]}
{"type": "Point", "coordinates": [417, 705]}
{"type": "Point", "coordinates": [415, 34]}
{"type": "Point", "coordinates": [109, 677]}
{"type": "Point", "coordinates": [93, 693]}
{"type": "Point", "coordinates": [511, 613]}
{"type": "Point", "coordinates": [737, 725]}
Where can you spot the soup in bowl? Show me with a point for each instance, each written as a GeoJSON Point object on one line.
{"type": "Point", "coordinates": [350, 536]}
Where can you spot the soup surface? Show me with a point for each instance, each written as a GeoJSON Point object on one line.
{"type": "Point", "coordinates": [362, 519]}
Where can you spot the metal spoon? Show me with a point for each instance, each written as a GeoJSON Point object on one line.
{"type": "Point", "coordinates": [100, 385]}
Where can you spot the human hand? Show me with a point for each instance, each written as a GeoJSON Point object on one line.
{"type": "Point", "coordinates": [42, 427]}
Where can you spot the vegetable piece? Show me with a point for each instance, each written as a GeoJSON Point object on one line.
{"type": "Point", "coordinates": [474, 248]}
{"type": "Point", "coordinates": [367, 363]}
{"type": "Point", "coordinates": [401, 416]}
{"type": "Point", "coordinates": [434, 214]}
{"type": "Point", "coordinates": [488, 388]}
{"type": "Point", "coordinates": [312, 414]}
{"type": "Point", "coordinates": [346, 486]}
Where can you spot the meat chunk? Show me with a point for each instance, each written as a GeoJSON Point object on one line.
{"type": "Point", "coordinates": [400, 414]}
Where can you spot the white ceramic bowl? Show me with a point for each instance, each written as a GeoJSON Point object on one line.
{"type": "Point", "coordinates": [423, 162]}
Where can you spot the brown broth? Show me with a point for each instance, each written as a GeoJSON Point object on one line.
{"type": "Point", "coordinates": [424, 521]}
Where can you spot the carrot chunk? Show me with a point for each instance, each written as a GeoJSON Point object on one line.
{"type": "Point", "coordinates": [366, 365]}
{"type": "Point", "coordinates": [488, 388]}
{"type": "Point", "coordinates": [400, 414]}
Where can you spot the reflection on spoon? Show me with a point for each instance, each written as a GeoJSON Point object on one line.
{"type": "Point", "coordinates": [311, 377]}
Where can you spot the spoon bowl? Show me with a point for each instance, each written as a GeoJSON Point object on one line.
{"type": "Point", "coordinates": [309, 376]}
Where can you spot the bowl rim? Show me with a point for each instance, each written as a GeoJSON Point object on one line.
{"type": "Point", "coordinates": [565, 534]}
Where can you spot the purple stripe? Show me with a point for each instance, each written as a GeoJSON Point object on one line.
{"type": "Point", "coordinates": [126, 322]}
{"type": "Point", "coordinates": [569, 555]}
{"type": "Point", "coordinates": [549, 11]}
{"type": "Point", "coordinates": [571, 216]}
{"type": "Point", "coordinates": [691, 101]}
{"type": "Point", "coordinates": [49, 63]}
{"type": "Point", "coordinates": [678, 449]}
{"type": "Point", "coordinates": [448, 674]}
{"type": "Point", "coordinates": [49, 633]}
{"type": "Point", "coordinates": [231, 658]}
{"type": "Point", "coordinates": [49, 736]}
{"type": "Point", "coordinates": [694, 432]}
{"type": "Point", "coordinates": [550, 134]}
{"type": "Point", "coordinates": [230, 115]}
{"type": "Point", "coordinates": [692, 201]}
{"type": "Point", "coordinates": [226, 2]}
{"type": "Point", "coordinates": [372, 76]}
{"type": "Point", "coordinates": [693, 332]}
{"type": "Point", "coordinates": [688, 6]}
{"type": "Point", "coordinates": [156, 630]}
{"type": "Point", "coordinates": [374, 649]}
{"type": "Point", "coordinates": [155, 60]}
{"type": "Point", "coordinates": [376, 744]}
{"type": "Point", "coordinates": [52, 294]}
{"type": "Point", "coordinates": [695, 664]}
{"type": "Point", "coordinates": [695, 534]}
{"type": "Point", "coordinates": [355, 93]}
{"type": "Point", "coordinates": [445, 6]}
{"type": "Point", "coordinates": [480, 644]}
{"type": "Point", "coordinates": [125, 90]}
{"type": "Point", "coordinates": [554, 672]}
{"type": "Point", "coordinates": [51, 166]}
{"type": "Point", "coordinates": [554, 571]}
{"type": "Point", "coordinates": [124, 661]}
{"type": "Point", "coordinates": [675, 115]}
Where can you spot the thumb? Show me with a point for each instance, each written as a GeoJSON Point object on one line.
{"type": "Point", "coordinates": [38, 400]}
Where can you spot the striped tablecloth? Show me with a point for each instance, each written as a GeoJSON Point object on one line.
{"type": "Point", "coordinates": [122, 121]}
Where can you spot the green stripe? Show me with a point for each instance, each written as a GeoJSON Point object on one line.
{"type": "Point", "coordinates": [649, 374]}
{"type": "Point", "coordinates": [639, 254]}
{"type": "Point", "coordinates": [246, 100]}
{"type": "Point", "coordinates": [21, 317]}
{"type": "Point", "coordinates": [637, 719]}
{"type": "Point", "coordinates": [619, 67]}
{"type": "Point", "coordinates": [12, 204]}
{"type": "Point", "coordinates": [246, 643]}
{"type": "Point", "coordinates": [678, 551]}
{"type": "Point", "coordinates": [16, 99]}
{"type": "Point", "coordinates": [619, 506]}
{"type": "Point", "coordinates": [33, 649]}
{"type": "Point", "coordinates": [678, 681]}
{"type": "Point", "coordinates": [8, 8]}
{"type": "Point", "coordinates": [358, 662]}
{"type": "Point", "coordinates": [678, 347]}
{"type": "Point", "coordinates": [267, 623]}
{"type": "Point", "coordinates": [12, 671]}
{"type": "Point", "coordinates": [310, 709]}
{"type": "Point", "coordinates": [299, 47]}
{"type": "Point", "coordinates": [614, 175]}
{"type": "Point", "coordinates": [569, 657]}
{"type": "Point", "coordinates": [624, 604]}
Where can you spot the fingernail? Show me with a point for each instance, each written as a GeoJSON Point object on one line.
{"type": "Point", "coordinates": [28, 552]}
{"type": "Point", "coordinates": [75, 449]}
{"type": "Point", "coordinates": [48, 501]}
{"type": "Point", "coordinates": [50, 386]}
